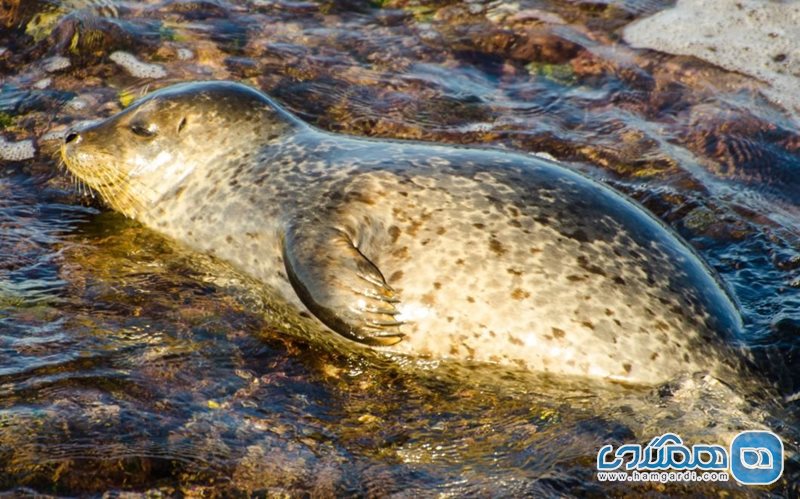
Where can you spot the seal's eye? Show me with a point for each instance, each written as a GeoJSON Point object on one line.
{"type": "Point", "coordinates": [182, 124]}
{"type": "Point", "coordinates": [143, 130]}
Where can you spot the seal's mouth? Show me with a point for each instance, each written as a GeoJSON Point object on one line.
{"type": "Point", "coordinates": [63, 162]}
{"type": "Point", "coordinates": [95, 171]}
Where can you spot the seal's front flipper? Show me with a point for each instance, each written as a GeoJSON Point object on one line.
{"type": "Point", "coordinates": [340, 285]}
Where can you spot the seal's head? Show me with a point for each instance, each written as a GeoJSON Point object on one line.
{"type": "Point", "coordinates": [141, 154]}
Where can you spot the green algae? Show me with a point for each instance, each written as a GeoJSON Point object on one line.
{"type": "Point", "coordinates": [563, 74]}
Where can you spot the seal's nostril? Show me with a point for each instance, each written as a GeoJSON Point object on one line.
{"type": "Point", "coordinates": [70, 137]}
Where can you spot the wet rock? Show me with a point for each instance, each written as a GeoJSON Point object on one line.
{"type": "Point", "coordinates": [230, 36]}
{"type": "Point", "coordinates": [195, 10]}
{"type": "Point", "coordinates": [184, 54]}
{"type": "Point", "coordinates": [243, 66]}
{"type": "Point", "coordinates": [86, 39]}
{"type": "Point", "coordinates": [137, 68]}
{"type": "Point", "coordinates": [789, 261]}
{"type": "Point", "coordinates": [55, 63]}
{"type": "Point", "coordinates": [15, 101]}
{"type": "Point", "coordinates": [700, 219]}
{"type": "Point", "coordinates": [16, 151]}
{"type": "Point", "coordinates": [744, 146]}
{"type": "Point", "coordinates": [543, 45]}
{"type": "Point", "coordinates": [529, 15]}
{"type": "Point", "coordinates": [540, 45]}
{"type": "Point", "coordinates": [16, 14]}
{"type": "Point", "coordinates": [343, 6]}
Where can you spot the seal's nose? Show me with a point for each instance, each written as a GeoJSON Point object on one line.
{"type": "Point", "coordinates": [72, 137]}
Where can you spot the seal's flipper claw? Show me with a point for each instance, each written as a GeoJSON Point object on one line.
{"type": "Point", "coordinates": [341, 286]}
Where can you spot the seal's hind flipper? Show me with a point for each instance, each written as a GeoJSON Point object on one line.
{"type": "Point", "coordinates": [340, 285]}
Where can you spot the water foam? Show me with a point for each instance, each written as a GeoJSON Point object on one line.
{"type": "Point", "coordinates": [137, 68]}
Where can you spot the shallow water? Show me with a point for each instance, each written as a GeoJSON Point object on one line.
{"type": "Point", "coordinates": [128, 364]}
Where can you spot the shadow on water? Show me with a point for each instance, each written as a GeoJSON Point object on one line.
{"type": "Point", "coordinates": [127, 363]}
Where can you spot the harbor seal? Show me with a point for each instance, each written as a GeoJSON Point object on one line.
{"type": "Point", "coordinates": [422, 249]}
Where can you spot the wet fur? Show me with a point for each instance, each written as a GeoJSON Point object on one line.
{"type": "Point", "coordinates": [494, 256]}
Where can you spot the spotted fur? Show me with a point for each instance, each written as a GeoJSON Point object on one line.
{"type": "Point", "coordinates": [493, 256]}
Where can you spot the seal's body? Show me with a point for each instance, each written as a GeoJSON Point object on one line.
{"type": "Point", "coordinates": [424, 249]}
